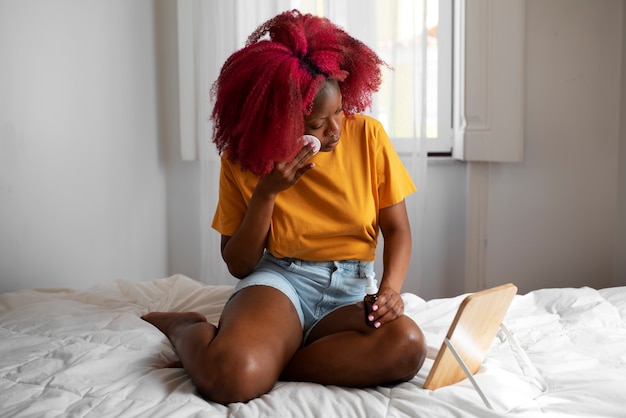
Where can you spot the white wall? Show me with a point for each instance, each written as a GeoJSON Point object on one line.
{"type": "Point", "coordinates": [444, 240]}
{"type": "Point", "coordinates": [82, 184]}
{"type": "Point", "coordinates": [552, 218]}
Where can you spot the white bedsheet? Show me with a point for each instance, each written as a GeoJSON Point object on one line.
{"type": "Point", "coordinates": [87, 353]}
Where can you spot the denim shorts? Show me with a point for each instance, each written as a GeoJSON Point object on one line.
{"type": "Point", "coordinates": [314, 288]}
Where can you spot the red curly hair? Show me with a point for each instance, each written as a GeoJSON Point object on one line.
{"type": "Point", "coordinates": [265, 90]}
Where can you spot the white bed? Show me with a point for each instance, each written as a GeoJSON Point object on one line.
{"type": "Point", "coordinates": [87, 353]}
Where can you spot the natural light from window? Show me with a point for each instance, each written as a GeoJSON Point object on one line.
{"type": "Point", "coordinates": [414, 37]}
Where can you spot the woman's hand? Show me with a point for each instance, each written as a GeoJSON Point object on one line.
{"type": "Point", "coordinates": [388, 307]}
{"type": "Point", "coordinates": [394, 224]}
{"type": "Point", "coordinates": [286, 174]}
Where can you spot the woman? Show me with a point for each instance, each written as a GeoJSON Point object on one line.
{"type": "Point", "coordinates": [300, 229]}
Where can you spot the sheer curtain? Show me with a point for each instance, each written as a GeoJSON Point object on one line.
{"type": "Point", "coordinates": [215, 30]}
{"type": "Point", "coordinates": [395, 29]}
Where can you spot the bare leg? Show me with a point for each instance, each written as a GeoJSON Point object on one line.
{"type": "Point", "coordinates": [259, 332]}
{"type": "Point", "coordinates": [342, 350]}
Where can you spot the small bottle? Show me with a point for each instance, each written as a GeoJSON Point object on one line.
{"type": "Point", "coordinates": [371, 291]}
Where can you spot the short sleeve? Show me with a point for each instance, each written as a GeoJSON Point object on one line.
{"type": "Point", "coordinates": [394, 181]}
{"type": "Point", "coordinates": [232, 205]}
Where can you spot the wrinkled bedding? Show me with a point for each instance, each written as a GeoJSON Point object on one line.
{"type": "Point", "coordinates": [67, 352]}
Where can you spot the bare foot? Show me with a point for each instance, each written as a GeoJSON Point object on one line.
{"type": "Point", "coordinates": [167, 322]}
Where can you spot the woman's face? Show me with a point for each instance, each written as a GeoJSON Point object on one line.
{"type": "Point", "coordinates": [325, 119]}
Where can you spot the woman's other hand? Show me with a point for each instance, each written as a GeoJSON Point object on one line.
{"type": "Point", "coordinates": [388, 307]}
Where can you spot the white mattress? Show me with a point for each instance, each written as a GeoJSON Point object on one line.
{"type": "Point", "coordinates": [87, 353]}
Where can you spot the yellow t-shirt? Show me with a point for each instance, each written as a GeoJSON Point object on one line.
{"type": "Point", "coordinates": [331, 213]}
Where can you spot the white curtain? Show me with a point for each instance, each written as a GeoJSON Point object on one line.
{"type": "Point", "coordinates": [215, 29]}
{"type": "Point", "coordinates": [395, 29]}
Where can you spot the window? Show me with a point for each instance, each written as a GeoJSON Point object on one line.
{"type": "Point", "coordinates": [415, 38]}
{"type": "Point", "coordinates": [457, 84]}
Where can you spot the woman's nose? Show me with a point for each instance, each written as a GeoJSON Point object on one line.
{"type": "Point", "coordinates": [333, 128]}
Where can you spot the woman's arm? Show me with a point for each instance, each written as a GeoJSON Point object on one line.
{"type": "Point", "coordinates": [394, 225]}
{"type": "Point", "coordinates": [244, 249]}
